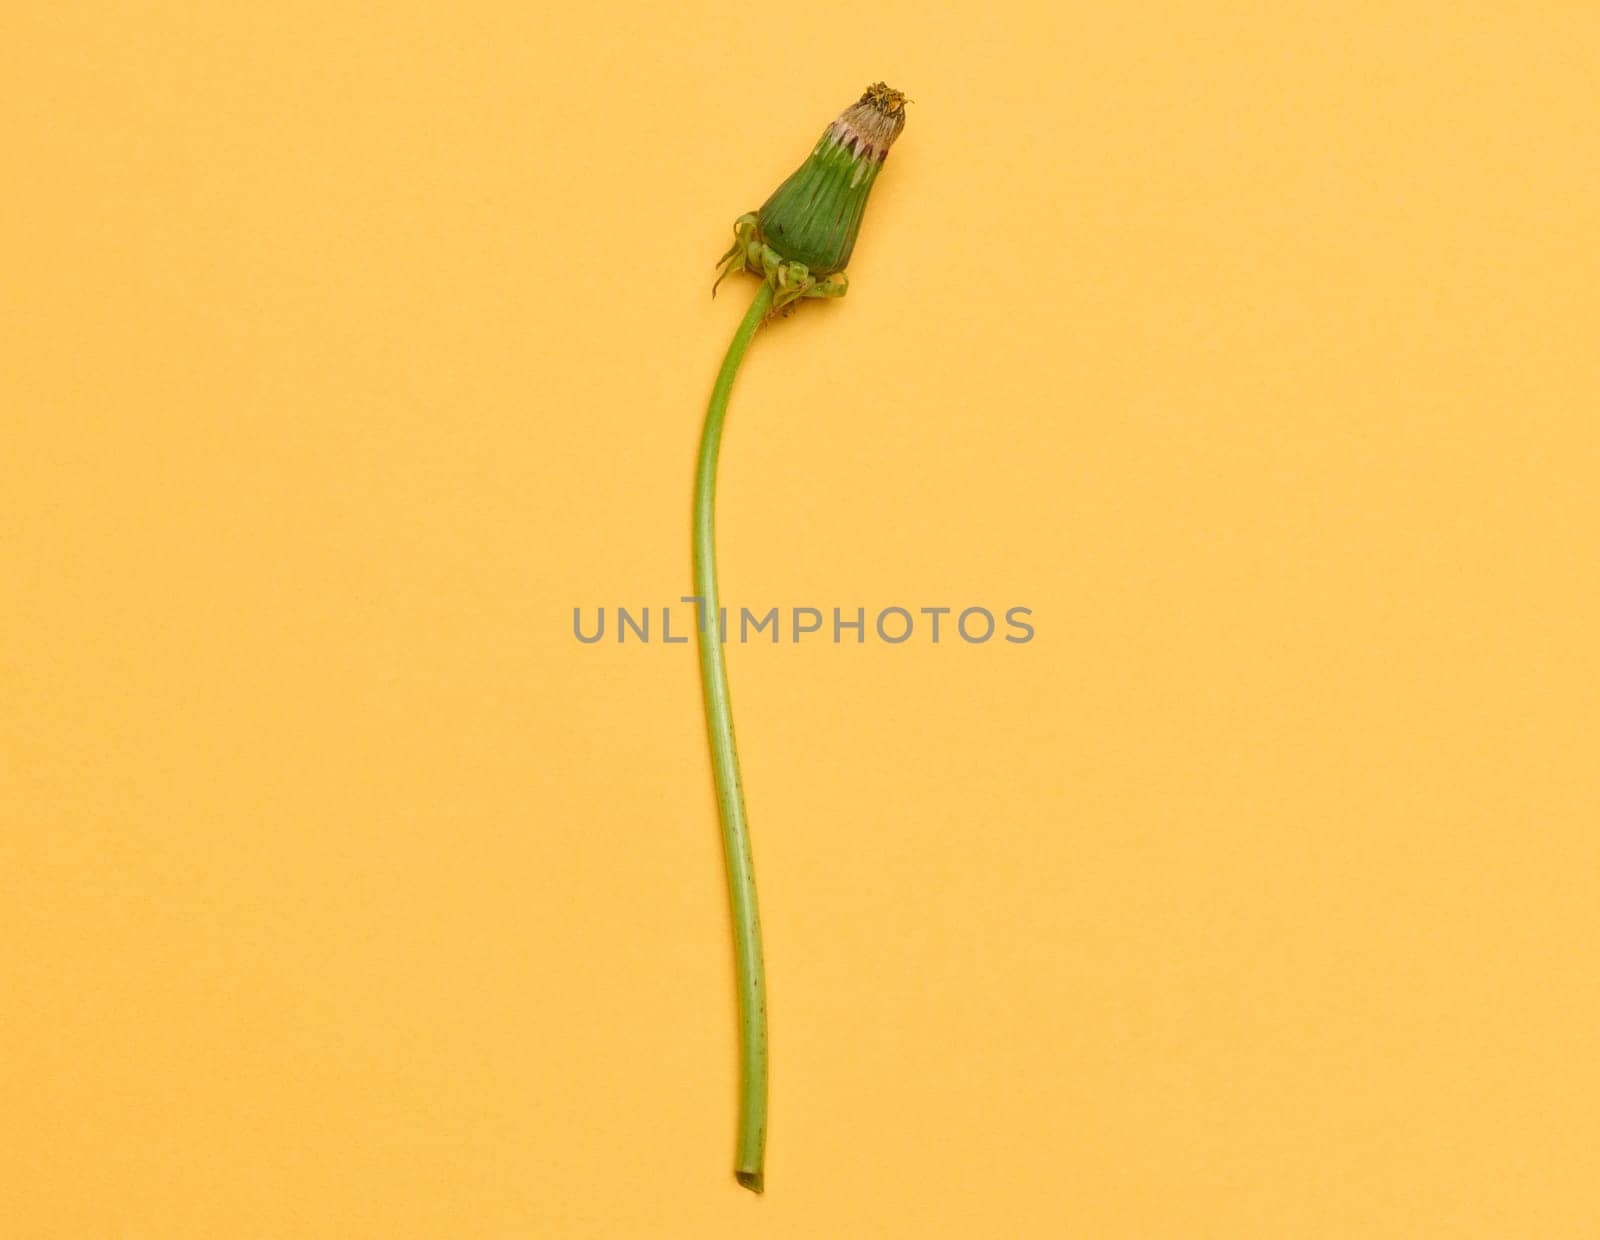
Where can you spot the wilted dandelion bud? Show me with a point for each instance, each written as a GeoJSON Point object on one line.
{"type": "Point", "coordinates": [812, 219]}
{"type": "Point", "coordinates": [797, 244]}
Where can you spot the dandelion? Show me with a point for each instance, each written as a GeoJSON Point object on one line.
{"type": "Point", "coordinates": [798, 244]}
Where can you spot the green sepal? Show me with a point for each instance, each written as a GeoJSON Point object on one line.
{"type": "Point", "coordinates": [791, 281]}
{"type": "Point", "coordinates": [814, 216]}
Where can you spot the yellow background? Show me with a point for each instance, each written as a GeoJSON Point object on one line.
{"type": "Point", "coordinates": [348, 347]}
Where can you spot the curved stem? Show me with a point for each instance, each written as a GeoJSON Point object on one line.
{"type": "Point", "coordinates": [752, 1141]}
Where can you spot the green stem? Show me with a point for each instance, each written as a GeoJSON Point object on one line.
{"type": "Point", "coordinates": [752, 1142]}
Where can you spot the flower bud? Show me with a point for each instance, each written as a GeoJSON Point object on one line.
{"type": "Point", "coordinates": [814, 216]}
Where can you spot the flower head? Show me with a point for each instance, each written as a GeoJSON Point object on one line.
{"type": "Point", "coordinates": [803, 235]}
{"type": "Point", "coordinates": [813, 217]}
